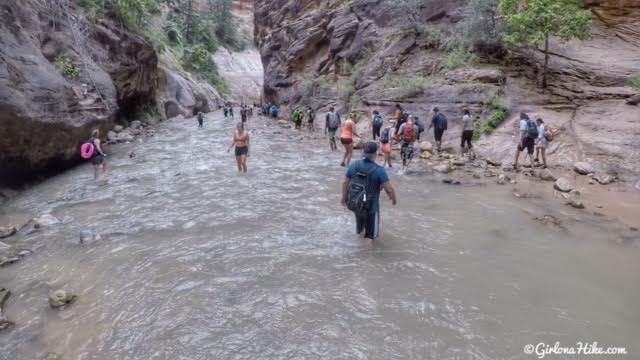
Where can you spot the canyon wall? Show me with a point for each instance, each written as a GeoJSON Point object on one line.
{"type": "Point", "coordinates": [362, 55]}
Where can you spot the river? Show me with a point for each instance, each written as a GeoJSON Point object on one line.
{"type": "Point", "coordinates": [198, 262]}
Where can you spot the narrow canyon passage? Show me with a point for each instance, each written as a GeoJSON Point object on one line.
{"type": "Point", "coordinates": [197, 262]}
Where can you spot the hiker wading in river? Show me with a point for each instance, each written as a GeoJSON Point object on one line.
{"type": "Point", "coordinates": [361, 192]}
{"type": "Point", "coordinates": [241, 142]}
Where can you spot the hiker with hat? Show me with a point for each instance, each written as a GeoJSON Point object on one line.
{"type": "Point", "coordinates": [361, 192]}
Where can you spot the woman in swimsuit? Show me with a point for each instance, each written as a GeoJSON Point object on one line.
{"type": "Point", "coordinates": [346, 138]}
{"type": "Point", "coordinates": [241, 142]}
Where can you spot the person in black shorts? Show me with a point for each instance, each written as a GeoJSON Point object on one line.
{"type": "Point", "coordinates": [439, 124]}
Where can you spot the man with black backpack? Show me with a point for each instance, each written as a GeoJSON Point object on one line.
{"type": "Point", "coordinates": [528, 136]}
{"type": "Point", "coordinates": [361, 192]}
{"type": "Point", "coordinates": [439, 124]}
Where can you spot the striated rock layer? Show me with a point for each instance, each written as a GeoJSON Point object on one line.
{"type": "Point", "coordinates": [44, 113]}
{"type": "Point", "coordinates": [362, 55]}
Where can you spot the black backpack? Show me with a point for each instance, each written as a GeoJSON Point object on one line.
{"type": "Point", "coordinates": [532, 129]}
{"type": "Point", "coordinates": [359, 196]}
{"type": "Point", "coordinates": [442, 122]}
{"type": "Point", "coordinates": [384, 136]}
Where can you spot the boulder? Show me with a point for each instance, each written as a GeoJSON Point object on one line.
{"type": "Point", "coordinates": [583, 168]}
{"type": "Point", "coordinates": [118, 128]}
{"type": "Point", "coordinates": [443, 168]}
{"type": "Point", "coordinates": [7, 231]}
{"type": "Point", "coordinates": [425, 155]}
{"type": "Point", "coordinates": [634, 100]}
{"type": "Point", "coordinates": [604, 179]}
{"type": "Point", "coordinates": [45, 220]}
{"type": "Point", "coordinates": [563, 185]}
{"type": "Point", "coordinates": [426, 146]}
{"type": "Point", "coordinates": [136, 124]}
{"type": "Point", "coordinates": [546, 175]}
{"type": "Point", "coordinates": [457, 162]}
{"type": "Point", "coordinates": [112, 136]}
{"type": "Point", "coordinates": [60, 298]}
{"type": "Point", "coordinates": [125, 136]}
{"type": "Point", "coordinates": [493, 162]}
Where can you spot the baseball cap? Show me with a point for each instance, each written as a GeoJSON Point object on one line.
{"type": "Point", "coordinates": [370, 147]}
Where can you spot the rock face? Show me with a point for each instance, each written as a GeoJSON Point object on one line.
{"type": "Point", "coordinates": [180, 94]}
{"type": "Point", "coordinates": [46, 114]}
{"type": "Point", "coordinates": [359, 55]}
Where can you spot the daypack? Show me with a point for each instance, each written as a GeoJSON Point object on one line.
{"type": "Point", "coordinates": [385, 135]}
{"type": "Point", "coordinates": [441, 122]}
{"type": "Point", "coordinates": [377, 120]}
{"type": "Point", "coordinates": [274, 111]}
{"type": "Point", "coordinates": [532, 129]}
{"type": "Point", "coordinates": [334, 120]}
{"type": "Point", "coordinates": [408, 133]}
{"type": "Point", "coordinates": [404, 117]}
{"type": "Point", "coordinates": [548, 133]}
{"type": "Point", "coordinates": [312, 115]}
{"type": "Point", "coordinates": [359, 196]}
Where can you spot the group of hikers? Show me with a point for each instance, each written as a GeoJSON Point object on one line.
{"type": "Point", "coordinates": [364, 179]}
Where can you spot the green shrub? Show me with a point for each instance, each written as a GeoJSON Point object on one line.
{"type": "Point", "coordinates": [477, 125]}
{"type": "Point", "coordinates": [198, 60]}
{"type": "Point", "coordinates": [496, 118]}
{"type": "Point", "coordinates": [134, 14]}
{"type": "Point", "coordinates": [634, 82]}
{"type": "Point", "coordinates": [66, 67]}
{"type": "Point", "coordinates": [458, 56]}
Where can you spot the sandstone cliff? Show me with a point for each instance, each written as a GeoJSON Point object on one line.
{"type": "Point", "coordinates": [45, 114]}
{"type": "Point", "coordinates": [359, 54]}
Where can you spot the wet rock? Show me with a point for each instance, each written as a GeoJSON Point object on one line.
{"type": "Point", "coordinates": [604, 179]}
{"type": "Point", "coordinates": [457, 162]}
{"type": "Point", "coordinates": [574, 193]}
{"type": "Point", "coordinates": [451, 181]}
{"type": "Point", "coordinates": [5, 232]}
{"type": "Point", "coordinates": [9, 260]}
{"type": "Point", "coordinates": [426, 155]}
{"type": "Point", "coordinates": [634, 100]}
{"type": "Point", "coordinates": [546, 175]}
{"type": "Point", "coordinates": [124, 137]}
{"type": "Point", "coordinates": [489, 173]}
{"type": "Point", "coordinates": [493, 162]}
{"type": "Point", "coordinates": [443, 168]}
{"type": "Point", "coordinates": [4, 322]}
{"type": "Point", "coordinates": [112, 136]}
{"type": "Point", "coordinates": [502, 179]}
{"type": "Point", "coordinates": [87, 236]}
{"type": "Point", "coordinates": [45, 220]}
{"type": "Point", "coordinates": [477, 175]}
{"type": "Point", "coordinates": [563, 185]}
{"type": "Point", "coordinates": [61, 298]}
{"type": "Point", "coordinates": [583, 168]}
{"type": "Point", "coordinates": [591, 182]}
{"type": "Point", "coordinates": [426, 146]}
{"type": "Point", "coordinates": [136, 124]}
{"type": "Point", "coordinates": [575, 204]}
{"type": "Point", "coordinates": [118, 128]}
{"type": "Point", "coordinates": [52, 356]}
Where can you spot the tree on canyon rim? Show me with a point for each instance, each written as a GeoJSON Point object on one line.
{"type": "Point", "coordinates": [533, 22]}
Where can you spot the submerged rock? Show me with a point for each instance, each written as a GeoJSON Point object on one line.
{"type": "Point", "coordinates": [7, 231]}
{"type": "Point", "coordinates": [426, 146]}
{"type": "Point", "coordinates": [493, 162]}
{"type": "Point", "coordinates": [61, 298]}
{"type": "Point", "coordinates": [45, 220]}
{"type": "Point", "coordinates": [4, 322]}
{"type": "Point", "coordinates": [583, 168]}
{"type": "Point", "coordinates": [563, 185]}
{"type": "Point", "coordinates": [604, 179]}
{"type": "Point", "coordinates": [87, 236]}
{"type": "Point", "coordinates": [575, 204]}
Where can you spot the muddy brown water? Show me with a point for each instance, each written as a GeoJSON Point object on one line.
{"type": "Point", "coordinates": [198, 262]}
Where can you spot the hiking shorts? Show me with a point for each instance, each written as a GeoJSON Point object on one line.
{"type": "Point", "coordinates": [97, 160]}
{"type": "Point", "coordinates": [528, 143]}
{"type": "Point", "coordinates": [369, 223]}
{"type": "Point", "coordinates": [543, 143]}
{"type": "Point", "coordinates": [332, 134]}
{"type": "Point", "coordinates": [438, 134]}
